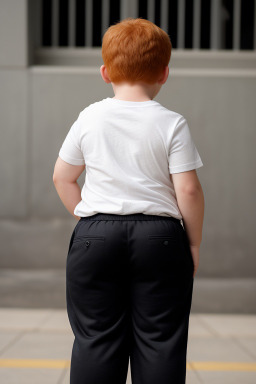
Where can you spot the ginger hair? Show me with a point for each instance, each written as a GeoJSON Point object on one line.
{"type": "Point", "coordinates": [135, 50]}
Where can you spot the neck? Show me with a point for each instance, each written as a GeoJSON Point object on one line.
{"type": "Point", "coordinates": [135, 92]}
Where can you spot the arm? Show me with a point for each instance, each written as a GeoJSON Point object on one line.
{"type": "Point", "coordinates": [65, 181]}
{"type": "Point", "coordinates": [190, 200]}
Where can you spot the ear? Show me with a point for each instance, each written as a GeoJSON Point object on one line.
{"type": "Point", "coordinates": [104, 74]}
{"type": "Point", "coordinates": [164, 75]}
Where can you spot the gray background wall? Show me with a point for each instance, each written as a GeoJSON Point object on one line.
{"type": "Point", "coordinates": [214, 90]}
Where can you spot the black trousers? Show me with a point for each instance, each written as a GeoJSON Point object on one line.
{"type": "Point", "coordinates": [129, 283]}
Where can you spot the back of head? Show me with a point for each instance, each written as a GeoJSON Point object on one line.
{"type": "Point", "coordinates": [135, 50]}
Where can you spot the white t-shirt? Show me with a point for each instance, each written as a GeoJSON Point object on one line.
{"type": "Point", "coordinates": [129, 148]}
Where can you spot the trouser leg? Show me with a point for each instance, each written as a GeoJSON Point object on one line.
{"type": "Point", "coordinates": [96, 294]}
{"type": "Point", "coordinates": [161, 294]}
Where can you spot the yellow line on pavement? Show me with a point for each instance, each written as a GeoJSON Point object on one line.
{"type": "Point", "coordinates": [34, 363]}
{"type": "Point", "coordinates": [191, 365]}
{"type": "Point", "coordinates": [221, 366]}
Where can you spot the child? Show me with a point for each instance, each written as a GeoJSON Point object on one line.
{"type": "Point", "coordinates": [134, 252]}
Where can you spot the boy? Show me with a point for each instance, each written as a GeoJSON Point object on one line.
{"type": "Point", "coordinates": [131, 263]}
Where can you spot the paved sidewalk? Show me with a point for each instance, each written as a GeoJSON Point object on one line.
{"type": "Point", "coordinates": [35, 348]}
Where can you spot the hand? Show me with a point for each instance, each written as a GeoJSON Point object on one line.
{"type": "Point", "coordinates": [195, 255]}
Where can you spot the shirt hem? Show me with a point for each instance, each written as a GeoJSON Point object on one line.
{"type": "Point", "coordinates": [186, 167]}
{"type": "Point", "coordinates": [70, 160]}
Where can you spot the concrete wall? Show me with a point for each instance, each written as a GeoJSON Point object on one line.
{"type": "Point", "coordinates": [215, 91]}
{"type": "Point", "coordinates": [13, 33]}
{"type": "Point", "coordinates": [41, 103]}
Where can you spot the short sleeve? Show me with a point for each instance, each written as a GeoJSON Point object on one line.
{"type": "Point", "coordinates": [70, 150]}
{"type": "Point", "coordinates": [183, 155]}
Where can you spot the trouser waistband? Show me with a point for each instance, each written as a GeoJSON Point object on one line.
{"type": "Point", "coordinates": [134, 216]}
